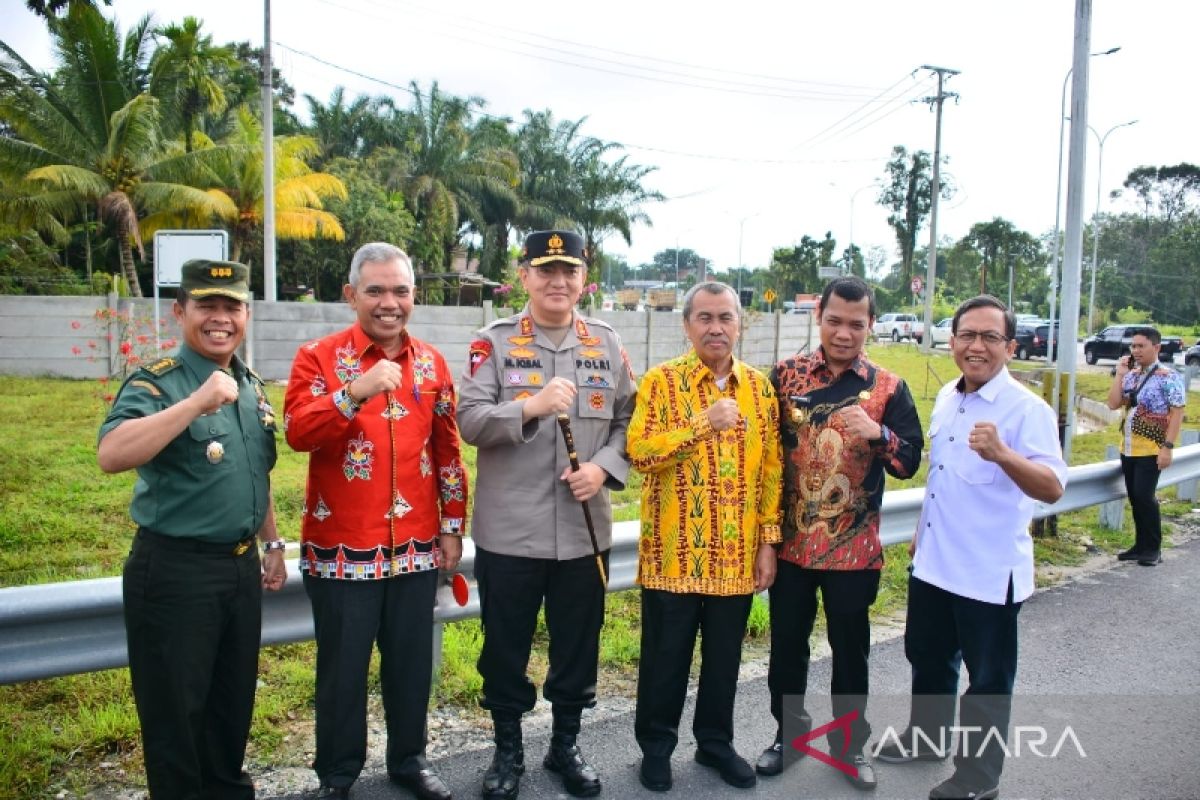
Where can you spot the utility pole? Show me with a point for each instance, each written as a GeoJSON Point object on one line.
{"type": "Point", "coordinates": [268, 133]}
{"type": "Point", "coordinates": [935, 190]}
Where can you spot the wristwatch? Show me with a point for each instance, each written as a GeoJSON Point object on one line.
{"type": "Point", "coordinates": [1168, 445]}
{"type": "Point", "coordinates": [275, 544]}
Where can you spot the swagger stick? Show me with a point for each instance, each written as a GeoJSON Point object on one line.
{"type": "Point", "coordinates": [564, 423]}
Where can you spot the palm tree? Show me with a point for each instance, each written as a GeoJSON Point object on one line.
{"type": "Point", "coordinates": [299, 192]}
{"type": "Point", "coordinates": [346, 130]}
{"type": "Point", "coordinates": [188, 72]}
{"type": "Point", "coordinates": [90, 137]}
{"type": "Point", "coordinates": [451, 173]}
{"type": "Point", "coordinates": [609, 196]}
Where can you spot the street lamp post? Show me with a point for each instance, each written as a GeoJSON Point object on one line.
{"type": "Point", "coordinates": [1054, 263]}
{"type": "Point", "coordinates": [1096, 220]}
{"type": "Point", "coordinates": [853, 197]}
{"type": "Point", "coordinates": [741, 266]}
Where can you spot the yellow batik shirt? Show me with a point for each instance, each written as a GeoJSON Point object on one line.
{"type": "Point", "coordinates": [709, 498]}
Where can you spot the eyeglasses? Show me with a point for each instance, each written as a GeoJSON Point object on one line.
{"type": "Point", "coordinates": [989, 337]}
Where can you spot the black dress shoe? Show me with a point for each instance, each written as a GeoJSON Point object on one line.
{"type": "Point", "coordinates": [424, 783]}
{"type": "Point", "coordinates": [863, 778]}
{"type": "Point", "coordinates": [953, 790]}
{"type": "Point", "coordinates": [578, 776]}
{"type": "Point", "coordinates": [733, 768]}
{"type": "Point", "coordinates": [333, 793]}
{"type": "Point", "coordinates": [1152, 559]}
{"type": "Point", "coordinates": [771, 761]}
{"type": "Point", "coordinates": [1131, 554]}
{"type": "Point", "coordinates": [655, 773]}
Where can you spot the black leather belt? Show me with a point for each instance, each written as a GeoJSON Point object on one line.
{"type": "Point", "coordinates": [185, 544]}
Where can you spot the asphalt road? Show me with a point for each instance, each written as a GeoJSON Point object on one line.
{"type": "Point", "coordinates": [1114, 656]}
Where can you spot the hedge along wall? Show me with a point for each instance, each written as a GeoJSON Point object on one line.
{"type": "Point", "coordinates": [81, 337]}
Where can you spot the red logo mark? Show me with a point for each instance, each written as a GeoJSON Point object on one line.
{"type": "Point", "coordinates": [843, 723]}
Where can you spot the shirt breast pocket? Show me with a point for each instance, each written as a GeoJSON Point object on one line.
{"type": "Point", "coordinates": [974, 470]}
{"type": "Point", "coordinates": [596, 391]}
{"type": "Point", "coordinates": [209, 439]}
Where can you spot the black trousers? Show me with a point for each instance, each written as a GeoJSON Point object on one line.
{"type": "Point", "coordinates": [1141, 483]}
{"type": "Point", "coordinates": [942, 631]}
{"type": "Point", "coordinates": [847, 596]}
{"type": "Point", "coordinates": [193, 620]}
{"type": "Point", "coordinates": [352, 617]}
{"type": "Point", "coordinates": [511, 591]}
{"type": "Point", "coordinates": [670, 622]}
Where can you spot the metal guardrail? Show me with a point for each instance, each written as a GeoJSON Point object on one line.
{"type": "Point", "coordinates": [57, 629]}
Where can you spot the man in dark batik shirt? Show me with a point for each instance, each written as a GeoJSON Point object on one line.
{"type": "Point", "coordinates": [844, 423]}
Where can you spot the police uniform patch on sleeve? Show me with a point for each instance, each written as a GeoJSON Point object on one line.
{"type": "Point", "coordinates": [162, 366]}
{"type": "Point", "coordinates": [479, 352]}
{"type": "Point", "coordinates": [148, 386]}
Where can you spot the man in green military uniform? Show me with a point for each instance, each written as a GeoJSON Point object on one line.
{"type": "Point", "coordinates": [198, 429]}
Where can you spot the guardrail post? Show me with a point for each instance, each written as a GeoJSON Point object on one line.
{"type": "Point", "coordinates": [1112, 513]}
{"type": "Point", "coordinates": [1186, 490]}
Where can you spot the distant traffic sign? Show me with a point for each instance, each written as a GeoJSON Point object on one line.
{"type": "Point", "coordinates": [769, 295]}
{"type": "Point", "coordinates": [917, 284]}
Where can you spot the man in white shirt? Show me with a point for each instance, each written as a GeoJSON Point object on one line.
{"type": "Point", "coordinates": [994, 453]}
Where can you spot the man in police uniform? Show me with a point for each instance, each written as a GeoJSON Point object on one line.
{"type": "Point", "coordinates": [198, 429]}
{"type": "Point", "coordinates": [532, 544]}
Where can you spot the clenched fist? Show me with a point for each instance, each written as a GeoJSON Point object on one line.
{"type": "Point", "coordinates": [723, 414]}
{"type": "Point", "coordinates": [555, 397]}
{"type": "Point", "coordinates": [383, 377]}
{"type": "Point", "coordinates": [984, 439]}
{"type": "Point", "coordinates": [859, 424]}
{"type": "Point", "coordinates": [220, 389]}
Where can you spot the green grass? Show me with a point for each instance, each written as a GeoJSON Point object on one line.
{"type": "Point", "coordinates": [64, 520]}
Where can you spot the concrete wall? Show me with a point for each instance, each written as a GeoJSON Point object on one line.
{"type": "Point", "coordinates": [40, 335]}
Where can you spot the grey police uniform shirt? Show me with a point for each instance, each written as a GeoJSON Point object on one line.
{"type": "Point", "coordinates": [521, 507]}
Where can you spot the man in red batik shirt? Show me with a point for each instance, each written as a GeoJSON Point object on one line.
{"type": "Point", "coordinates": [384, 509]}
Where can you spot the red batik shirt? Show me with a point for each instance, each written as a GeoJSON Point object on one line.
{"type": "Point", "coordinates": [833, 481]}
{"type": "Point", "coordinates": [385, 478]}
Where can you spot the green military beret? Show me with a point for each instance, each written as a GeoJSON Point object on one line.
{"type": "Point", "coordinates": [204, 277]}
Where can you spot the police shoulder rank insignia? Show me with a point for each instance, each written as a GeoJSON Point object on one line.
{"type": "Point", "coordinates": [162, 366]}
{"type": "Point", "coordinates": [479, 352]}
{"type": "Point", "coordinates": [148, 386]}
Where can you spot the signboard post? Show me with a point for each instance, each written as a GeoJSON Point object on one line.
{"type": "Point", "coordinates": [174, 248]}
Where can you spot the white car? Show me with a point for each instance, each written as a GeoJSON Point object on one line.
{"type": "Point", "coordinates": [941, 332]}
{"type": "Point", "coordinates": [898, 326]}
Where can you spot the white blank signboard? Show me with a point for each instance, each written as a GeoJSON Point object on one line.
{"type": "Point", "coordinates": [173, 248]}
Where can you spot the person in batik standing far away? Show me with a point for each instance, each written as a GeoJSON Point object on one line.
{"type": "Point", "coordinates": [846, 424]}
{"type": "Point", "coordinates": [384, 510]}
{"type": "Point", "coordinates": [1153, 397]}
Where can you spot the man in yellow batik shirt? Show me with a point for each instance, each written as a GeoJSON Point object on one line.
{"type": "Point", "coordinates": [705, 433]}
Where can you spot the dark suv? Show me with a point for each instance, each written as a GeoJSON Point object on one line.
{"type": "Point", "coordinates": [1033, 337]}
{"type": "Point", "coordinates": [1113, 342]}
{"type": "Point", "coordinates": [1192, 356]}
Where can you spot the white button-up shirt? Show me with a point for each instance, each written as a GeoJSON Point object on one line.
{"type": "Point", "coordinates": [974, 528]}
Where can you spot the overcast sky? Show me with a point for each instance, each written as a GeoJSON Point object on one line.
{"type": "Point", "coordinates": [765, 119]}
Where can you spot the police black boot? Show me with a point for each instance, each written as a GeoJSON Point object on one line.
{"type": "Point", "coordinates": [579, 777]}
{"type": "Point", "coordinates": [503, 778]}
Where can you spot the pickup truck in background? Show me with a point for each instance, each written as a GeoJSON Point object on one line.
{"type": "Point", "coordinates": [1113, 342]}
{"type": "Point", "coordinates": [898, 326]}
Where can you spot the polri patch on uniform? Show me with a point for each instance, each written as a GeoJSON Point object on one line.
{"type": "Point", "coordinates": [521, 352]}
{"type": "Point", "coordinates": [534, 378]}
{"type": "Point", "coordinates": [597, 381]}
{"type": "Point", "coordinates": [596, 400]}
{"type": "Point", "coordinates": [521, 341]}
{"type": "Point", "coordinates": [591, 353]}
{"type": "Point", "coordinates": [479, 352]}
{"type": "Point", "coordinates": [148, 386]}
{"type": "Point", "coordinates": [513, 378]}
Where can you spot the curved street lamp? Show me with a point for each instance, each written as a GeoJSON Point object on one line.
{"type": "Point", "coordinates": [1096, 221]}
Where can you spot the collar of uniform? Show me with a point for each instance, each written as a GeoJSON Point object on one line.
{"type": "Point", "coordinates": [858, 366]}
{"type": "Point", "coordinates": [203, 367]}
{"type": "Point", "coordinates": [577, 329]}
{"type": "Point", "coordinates": [363, 343]}
{"type": "Point", "coordinates": [990, 390]}
{"type": "Point", "coordinates": [697, 370]}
